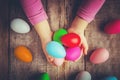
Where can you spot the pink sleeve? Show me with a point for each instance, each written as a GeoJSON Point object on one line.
{"type": "Point", "coordinates": [89, 9]}
{"type": "Point", "coordinates": [34, 10]}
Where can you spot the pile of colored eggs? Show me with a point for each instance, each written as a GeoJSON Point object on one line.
{"type": "Point", "coordinates": [64, 45]}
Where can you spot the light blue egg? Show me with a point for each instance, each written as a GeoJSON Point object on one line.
{"type": "Point", "coordinates": [55, 49]}
{"type": "Point", "coordinates": [83, 75]}
{"type": "Point", "coordinates": [110, 78]}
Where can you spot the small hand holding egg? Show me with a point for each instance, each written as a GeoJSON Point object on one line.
{"type": "Point", "coordinates": [70, 52]}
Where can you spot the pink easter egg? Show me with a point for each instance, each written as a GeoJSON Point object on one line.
{"type": "Point", "coordinates": [58, 61]}
{"type": "Point", "coordinates": [73, 53]}
{"type": "Point", "coordinates": [113, 27]}
{"type": "Point", "coordinates": [100, 55]}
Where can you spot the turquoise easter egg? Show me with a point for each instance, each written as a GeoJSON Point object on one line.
{"type": "Point", "coordinates": [58, 34]}
{"type": "Point", "coordinates": [44, 76]}
{"type": "Point", "coordinates": [110, 78]}
{"type": "Point", "coordinates": [55, 49]}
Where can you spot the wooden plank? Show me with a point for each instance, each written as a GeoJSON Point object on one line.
{"type": "Point", "coordinates": [4, 39]}
{"type": "Point", "coordinates": [61, 14]}
{"type": "Point", "coordinates": [20, 70]}
{"type": "Point", "coordinates": [97, 38]}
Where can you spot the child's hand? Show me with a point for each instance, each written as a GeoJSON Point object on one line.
{"type": "Point", "coordinates": [45, 34]}
{"type": "Point", "coordinates": [83, 44]}
{"type": "Point", "coordinates": [78, 26]}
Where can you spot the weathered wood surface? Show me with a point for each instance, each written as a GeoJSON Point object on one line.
{"type": "Point", "coordinates": [97, 38]}
{"type": "Point", "coordinates": [4, 40]}
{"type": "Point", "coordinates": [60, 13]}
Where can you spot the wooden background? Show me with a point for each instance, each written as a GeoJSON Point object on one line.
{"type": "Point", "coordinates": [60, 13]}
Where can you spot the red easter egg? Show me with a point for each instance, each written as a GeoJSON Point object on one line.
{"type": "Point", "coordinates": [113, 27]}
{"type": "Point", "coordinates": [70, 40]}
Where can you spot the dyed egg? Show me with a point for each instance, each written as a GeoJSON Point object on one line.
{"type": "Point", "coordinates": [113, 27]}
{"type": "Point", "coordinates": [110, 78]}
{"type": "Point", "coordinates": [99, 56]}
{"type": "Point", "coordinates": [73, 53]}
{"type": "Point", "coordinates": [70, 40]}
{"type": "Point", "coordinates": [23, 54]}
{"type": "Point", "coordinates": [55, 49]}
{"type": "Point", "coordinates": [58, 34]}
{"type": "Point", "coordinates": [58, 61]}
{"type": "Point", "coordinates": [19, 25]}
{"type": "Point", "coordinates": [83, 75]}
{"type": "Point", "coordinates": [44, 76]}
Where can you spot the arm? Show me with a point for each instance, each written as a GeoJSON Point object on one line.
{"type": "Point", "coordinates": [37, 16]}
{"type": "Point", "coordinates": [86, 13]}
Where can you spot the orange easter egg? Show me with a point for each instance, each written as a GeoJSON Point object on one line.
{"type": "Point", "coordinates": [22, 53]}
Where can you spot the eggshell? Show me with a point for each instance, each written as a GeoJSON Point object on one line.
{"type": "Point", "coordinates": [73, 53]}
{"type": "Point", "coordinates": [22, 53]}
{"type": "Point", "coordinates": [100, 55]}
{"type": "Point", "coordinates": [83, 75]}
{"type": "Point", "coordinates": [58, 61]}
{"type": "Point", "coordinates": [110, 78]}
{"type": "Point", "coordinates": [70, 40]}
{"type": "Point", "coordinates": [113, 27]}
{"type": "Point", "coordinates": [58, 34]}
{"type": "Point", "coordinates": [19, 26]}
{"type": "Point", "coordinates": [55, 49]}
{"type": "Point", "coordinates": [44, 76]}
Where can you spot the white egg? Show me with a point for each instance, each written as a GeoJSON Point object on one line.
{"type": "Point", "coordinates": [83, 75]}
{"type": "Point", "coordinates": [19, 26]}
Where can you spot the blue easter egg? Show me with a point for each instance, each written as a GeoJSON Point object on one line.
{"type": "Point", "coordinates": [110, 78]}
{"type": "Point", "coordinates": [55, 49]}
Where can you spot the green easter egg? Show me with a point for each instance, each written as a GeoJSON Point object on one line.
{"type": "Point", "coordinates": [58, 34]}
{"type": "Point", "coordinates": [44, 76]}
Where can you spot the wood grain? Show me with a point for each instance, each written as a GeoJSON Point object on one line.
{"type": "Point", "coordinates": [4, 39]}
{"type": "Point", "coordinates": [60, 14]}
{"type": "Point", "coordinates": [97, 38]}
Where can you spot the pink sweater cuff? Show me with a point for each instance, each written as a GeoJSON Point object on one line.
{"type": "Point", "coordinates": [89, 9]}
{"type": "Point", "coordinates": [34, 10]}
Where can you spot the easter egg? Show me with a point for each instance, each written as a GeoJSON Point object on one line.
{"type": "Point", "coordinates": [83, 75]}
{"type": "Point", "coordinates": [58, 34]}
{"type": "Point", "coordinates": [70, 40]}
{"type": "Point", "coordinates": [73, 53]}
{"type": "Point", "coordinates": [19, 26]}
{"type": "Point", "coordinates": [113, 27]}
{"type": "Point", "coordinates": [22, 53]}
{"type": "Point", "coordinates": [110, 78]}
{"type": "Point", "coordinates": [55, 49]}
{"type": "Point", "coordinates": [58, 61]}
{"type": "Point", "coordinates": [44, 76]}
{"type": "Point", "coordinates": [100, 55]}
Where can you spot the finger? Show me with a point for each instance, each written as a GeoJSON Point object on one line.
{"type": "Point", "coordinates": [85, 47]}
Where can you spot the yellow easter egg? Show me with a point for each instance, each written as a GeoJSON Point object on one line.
{"type": "Point", "coordinates": [22, 53]}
